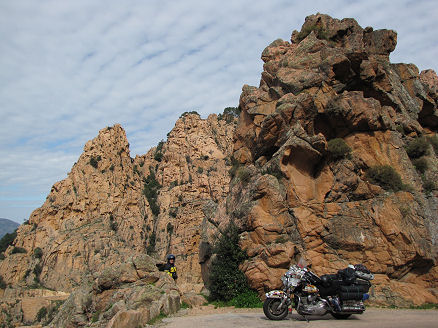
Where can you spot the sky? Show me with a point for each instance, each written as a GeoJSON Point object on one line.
{"type": "Point", "coordinates": [71, 68]}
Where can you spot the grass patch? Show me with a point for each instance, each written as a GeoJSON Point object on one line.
{"type": "Point", "coordinates": [248, 299]}
{"type": "Point", "coordinates": [95, 317]}
{"type": "Point", "coordinates": [184, 305]}
{"type": "Point", "coordinates": [157, 319]}
{"type": "Point", "coordinates": [425, 306]}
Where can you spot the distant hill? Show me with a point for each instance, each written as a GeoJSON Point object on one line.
{"type": "Point", "coordinates": [7, 226]}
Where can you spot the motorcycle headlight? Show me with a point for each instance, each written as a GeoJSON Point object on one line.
{"type": "Point", "coordinates": [293, 282]}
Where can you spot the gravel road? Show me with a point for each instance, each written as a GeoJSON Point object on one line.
{"type": "Point", "coordinates": [373, 317]}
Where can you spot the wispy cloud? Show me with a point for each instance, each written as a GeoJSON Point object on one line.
{"type": "Point", "coordinates": [70, 68]}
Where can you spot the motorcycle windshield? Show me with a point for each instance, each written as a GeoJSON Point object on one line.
{"type": "Point", "coordinates": [302, 263]}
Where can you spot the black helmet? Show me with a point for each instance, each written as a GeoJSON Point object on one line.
{"type": "Point", "coordinates": [170, 257]}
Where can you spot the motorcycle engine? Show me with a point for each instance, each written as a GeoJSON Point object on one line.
{"type": "Point", "coordinates": [312, 304]}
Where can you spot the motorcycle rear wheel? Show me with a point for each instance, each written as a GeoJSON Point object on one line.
{"type": "Point", "coordinates": [270, 309]}
{"type": "Point", "coordinates": [341, 316]}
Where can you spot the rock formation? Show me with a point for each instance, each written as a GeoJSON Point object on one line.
{"type": "Point", "coordinates": [112, 207]}
{"type": "Point", "coordinates": [333, 158]}
{"type": "Point", "coordinates": [334, 81]}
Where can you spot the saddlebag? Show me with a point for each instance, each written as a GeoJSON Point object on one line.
{"type": "Point", "coordinates": [354, 291]}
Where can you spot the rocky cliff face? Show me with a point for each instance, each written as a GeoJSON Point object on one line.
{"type": "Point", "coordinates": [316, 158]}
{"type": "Point", "coordinates": [334, 82]}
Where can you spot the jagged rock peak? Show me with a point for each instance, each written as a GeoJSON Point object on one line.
{"type": "Point", "coordinates": [110, 138]}
{"type": "Point", "coordinates": [347, 33]}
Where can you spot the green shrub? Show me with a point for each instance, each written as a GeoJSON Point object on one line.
{"type": "Point", "coordinates": [187, 113]}
{"type": "Point", "coordinates": [338, 149]}
{"type": "Point", "coordinates": [234, 167]}
{"type": "Point", "coordinates": [173, 184]}
{"type": "Point", "coordinates": [420, 164]}
{"type": "Point", "coordinates": [151, 244]}
{"type": "Point", "coordinates": [229, 114]}
{"type": "Point", "coordinates": [320, 32]}
{"type": "Point", "coordinates": [184, 305]}
{"type": "Point", "coordinates": [41, 314]}
{"type": "Point", "coordinates": [226, 280]}
{"type": "Point", "coordinates": [385, 176]}
{"type": "Point", "coordinates": [27, 273]}
{"type": "Point", "coordinates": [150, 190]}
{"type": "Point", "coordinates": [173, 212]}
{"type": "Point", "coordinates": [95, 317]}
{"type": "Point", "coordinates": [274, 171]}
{"type": "Point", "coordinates": [417, 147]}
{"type": "Point", "coordinates": [2, 256]}
{"type": "Point", "coordinates": [37, 270]}
{"type": "Point", "coordinates": [38, 253]}
{"type": "Point", "coordinates": [113, 224]}
{"type": "Point", "coordinates": [434, 142]}
{"type": "Point", "coordinates": [243, 174]}
{"type": "Point", "coordinates": [200, 170]}
{"type": "Point", "coordinates": [169, 228]}
{"type": "Point", "coordinates": [94, 161]}
{"type": "Point", "coordinates": [2, 283]}
{"type": "Point", "coordinates": [53, 310]}
{"type": "Point", "coordinates": [7, 240]}
{"type": "Point", "coordinates": [158, 156]}
{"type": "Point", "coordinates": [17, 250]}
{"type": "Point", "coordinates": [429, 186]}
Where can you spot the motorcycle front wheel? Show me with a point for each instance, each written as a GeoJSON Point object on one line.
{"type": "Point", "coordinates": [270, 309]}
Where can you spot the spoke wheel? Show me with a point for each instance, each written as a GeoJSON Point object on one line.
{"type": "Point", "coordinates": [270, 308]}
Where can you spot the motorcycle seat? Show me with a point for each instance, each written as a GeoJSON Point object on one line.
{"type": "Point", "coordinates": [328, 279]}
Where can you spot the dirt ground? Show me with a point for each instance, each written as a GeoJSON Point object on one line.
{"type": "Point", "coordinates": [254, 318]}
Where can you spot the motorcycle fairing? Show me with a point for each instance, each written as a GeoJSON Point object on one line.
{"type": "Point", "coordinates": [275, 294]}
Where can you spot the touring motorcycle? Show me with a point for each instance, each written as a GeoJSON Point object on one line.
{"type": "Point", "coordinates": [341, 294]}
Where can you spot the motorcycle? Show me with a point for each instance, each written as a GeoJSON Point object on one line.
{"type": "Point", "coordinates": [341, 294]}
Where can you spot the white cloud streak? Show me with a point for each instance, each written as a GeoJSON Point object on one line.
{"type": "Point", "coordinates": [70, 68]}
